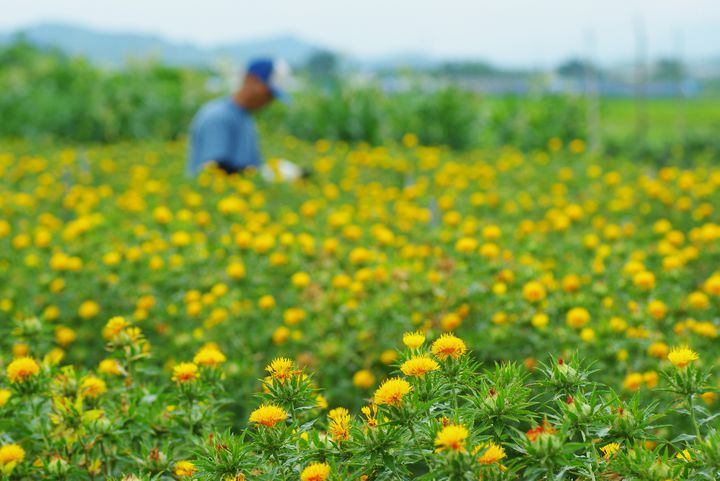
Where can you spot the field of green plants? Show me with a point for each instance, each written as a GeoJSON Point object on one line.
{"type": "Point", "coordinates": [507, 310]}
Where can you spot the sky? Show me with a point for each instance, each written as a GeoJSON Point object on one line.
{"type": "Point", "coordinates": [505, 32]}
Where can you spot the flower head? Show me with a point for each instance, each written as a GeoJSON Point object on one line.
{"type": "Point", "coordinates": [114, 327]}
{"type": "Point", "coordinates": [577, 317]}
{"type": "Point", "coordinates": [92, 387]}
{"type": "Point", "coordinates": [11, 453]}
{"type": "Point", "coordinates": [684, 455]}
{"type": "Point", "coordinates": [534, 291]}
{"type": "Point", "coordinates": [339, 424]}
{"type": "Point", "coordinates": [370, 413]}
{"type": "Point", "coordinates": [419, 366]}
{"type": "Point", "coordinates": [363, 379]}
{"type": "Point", "coordinates": [281, 368]}
{"type": "Point", "coordinates": [491, 453]}
{"type": "Point", "coordinates": [315, 472]}
{"type": "Point", "coordinates": [22, 368]}
{"type": "Point", "coordinates": [184, 469]}
{"type": "Point", "coordinates": [268, 415]}
{"type": "Point", "coordinates": [682, 356]}
{"type": "Point", "coordinates": [544, 429]}
{"type": "Point", "coordinates": [185, 372]}
{"type": "Point", "coordinates": [413, 340]}
{"type": "Point", "coordinates": [209, 356]}
{"type": "Point", "coordinates": [4, 396]}
{"type": "Point", "coordinates": [451, 438]}
{"type": "Point", "coordinates": [448, 345]}
{"type": "Point", "coordinates": [392, 391]}
{"type": "Point", "coordinates": [110, 367]}
{"type": "Point", "coordinates": [609, 450]}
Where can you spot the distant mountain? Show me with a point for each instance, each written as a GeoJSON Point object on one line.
{"type": "Point", "coordinates": [409, 60]}
{"type": "Point", "coordinates": [116, 48]}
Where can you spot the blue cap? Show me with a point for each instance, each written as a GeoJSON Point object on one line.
{"type": "Point", "coordinates": [273, 73]}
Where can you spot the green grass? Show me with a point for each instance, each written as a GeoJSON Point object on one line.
{"type": "Point", "coordinates": [667, 120]}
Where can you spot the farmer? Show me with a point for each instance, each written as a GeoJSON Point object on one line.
{"type": "Point", "coordinates": [224, 132]}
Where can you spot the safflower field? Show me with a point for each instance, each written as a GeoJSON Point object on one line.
{"type": "Point", "coordinates": [407, 312]}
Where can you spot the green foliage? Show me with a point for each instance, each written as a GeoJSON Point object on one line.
{"type": "Point", "coordinates": [47, 94]}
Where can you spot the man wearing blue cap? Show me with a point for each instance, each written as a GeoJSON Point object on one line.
{"type": "Point", "coordinates": [224, 132]}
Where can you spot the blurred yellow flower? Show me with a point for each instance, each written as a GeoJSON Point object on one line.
{"type": "Point", "coordinates": [577, 317]}
{"type": "Point", "coordinates": [184, 469]}
{"type": "Point", "coordinates": [209, 356]}
{"type": "Point", "coordinates": [92, 387]}
{"type": "Point", "coordinates": [185, 372]}
{"type": "Point", "coordinates": [11, 454]}
{"type": "Point", "coordinates": [491, 453]}
{"type": "Point", "coordinates": [4, 396]}
{"type": "Point", "coordinates": [363, 379]}
{"type": "Point", "coordinates": [451, 438]}
{"type": "Point", "coordinates": [88, 309]}
{"type": "Point", "coordinates": [21, 369]}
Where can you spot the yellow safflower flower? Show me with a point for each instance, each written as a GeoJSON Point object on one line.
{"type": "Point", "coordinates": [88, 309]}
{"type": "Point", "coordinates": [4, 396]}
{"type": "Point", "coordinates": [110, 367]}
{"type": "Point", "coordinates": [280, 335]}
{"type": "Point", "coordinates": [577, 317]}
{"type": "Point", "coordinates": [236, 270]}
{"type": "Point", "coordinates": [540, 320]}
{"type": "Point", "coordinates": [65, 335]}
{"type": "Point", "coordinates": [114, 326]}
{"type": "Point", "coordinates": [300, 279]}
{"type": "Point", "coordinates": [266, 302]}
{"type": "Point", "coordinates": [185, 372]}
{"type": "Point", "coordinates": [448, 345]}
{"type": "Point", "coordinates": [682, 356]}
{"type": "Point", "coordinates": [92, 387]}
{"type": "Point", "coordinates": [209, 356]}
{"type": "Point", "coordinates": [451, 438]}
{"type": "Point", "coordinates": [392, 391]}
{"type": "Point", "coordinates": [281, 368]}
{"type": "Point", "coordinates": [658, 349]}
{"type": "Point", "coordinates": [492, 453]}
{"type": "Point", "coordinates": [268, 415]}
{"type": "Point", "coordinates": [633, 381]}
{"type": "Point", "coordinates": [413, 340]}
{"type": "Point", "coordinates": [363, 379]}
{"type": "Point", "coordinates": [534, 291]}
{"type": "Point", "coordinates": [418, 366]}
{"type": "Point", "coordinates": [339, 424]}
{"type": "Point", "coordinates": [21, 369]}
{"type": "Point", "coordinates": [315, 472]}
{"type": "Point", "coordinates": [11, 454]}
{"type": "Point", "coordinates": [610, 449]}
{"type": "Point", "coordinates": [184, 469]}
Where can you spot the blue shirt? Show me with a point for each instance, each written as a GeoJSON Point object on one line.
{"type": "Point", "coordinates": [222, 131]}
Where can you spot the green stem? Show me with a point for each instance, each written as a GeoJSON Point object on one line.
{"type": "Point", "coordinates": [191, 421]}
{"type": "Point", "coordinates": [691, 406]}
{"type": "Point", "coordinates": [414, 436]}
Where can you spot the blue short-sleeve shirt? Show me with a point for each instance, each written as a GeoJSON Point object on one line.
{"type": "Point", "coordinates": [222, 131]}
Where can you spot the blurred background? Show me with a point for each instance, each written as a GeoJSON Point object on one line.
{"type": "Point", "coordinates": [625, 76]}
